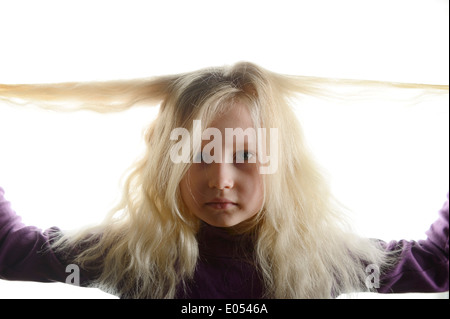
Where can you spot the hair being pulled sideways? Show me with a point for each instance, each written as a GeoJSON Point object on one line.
{"type": "Point", "coordinates": [146, 247]}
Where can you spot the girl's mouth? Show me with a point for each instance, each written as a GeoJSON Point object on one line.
{"type": "Point", "coordinates": [221, 203]}
{"type": "Point", "coordinates": [221, 206]}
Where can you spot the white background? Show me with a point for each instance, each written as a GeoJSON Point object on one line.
{"type": "Point", "coordinates": [387, 162]}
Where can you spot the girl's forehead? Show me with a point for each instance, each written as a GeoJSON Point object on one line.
{"type": "Point", "coordinates": [237, 115]}
{"type": "Point", "coordinates": [232, 127]}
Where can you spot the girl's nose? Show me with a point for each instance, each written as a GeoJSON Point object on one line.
{"type": "Point", "coordinates": [220, 175]}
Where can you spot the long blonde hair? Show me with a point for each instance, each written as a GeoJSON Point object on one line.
{"type": "Point", "coordinates": [147, 247]}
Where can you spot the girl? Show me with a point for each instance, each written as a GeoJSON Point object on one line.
{"type": "Point", "coordinates": [218, 207]}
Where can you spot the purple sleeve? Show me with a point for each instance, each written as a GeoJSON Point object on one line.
{"type": "Point", "coordinates": [24, 250]}
{"type": "Point", "coordinates": [423, 265]}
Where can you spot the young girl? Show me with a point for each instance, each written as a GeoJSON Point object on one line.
{"type": "Point", "coordinates": [227, 201]}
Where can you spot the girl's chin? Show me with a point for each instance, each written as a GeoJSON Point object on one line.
{"type": "Point", "coordinates": [230, 222]}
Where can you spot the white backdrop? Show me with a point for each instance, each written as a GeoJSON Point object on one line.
{"type": "Point", "coordinates": [387, 162]}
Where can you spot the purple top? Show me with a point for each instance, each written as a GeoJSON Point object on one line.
{"type": "Point", "coordinates": [222, 270]}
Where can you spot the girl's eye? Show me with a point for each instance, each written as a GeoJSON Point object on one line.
{"type": "Point", "coordinates": [243, 156]}
{"type": "Point", "coordinates": [239, 157]}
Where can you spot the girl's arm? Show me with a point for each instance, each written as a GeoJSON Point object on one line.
{"type": "Point", "coordinates": [25, 252]}
{"type": "Point", "coordinates": [423, 265]}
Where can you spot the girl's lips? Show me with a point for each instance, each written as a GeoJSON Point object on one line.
{"type": "Point", "coordinates": [221, 204]}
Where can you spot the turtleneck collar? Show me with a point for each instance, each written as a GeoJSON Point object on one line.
{"type": "Point", "coordinates": [224, 242]}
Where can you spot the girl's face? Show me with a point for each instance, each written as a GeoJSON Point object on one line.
{"type": "Point", "coordinates": [226, 192]}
